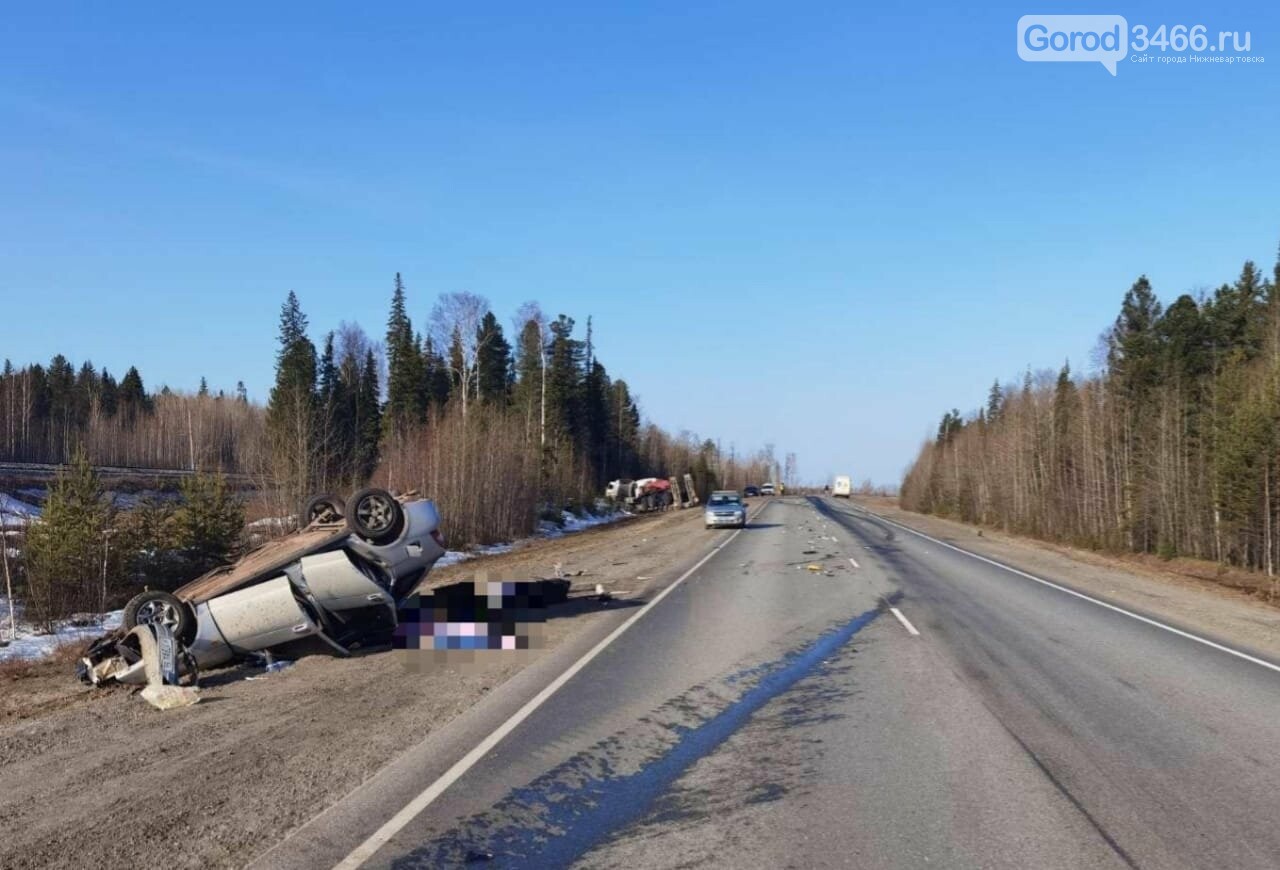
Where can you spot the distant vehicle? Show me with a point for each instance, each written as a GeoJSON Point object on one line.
{"type": "Point", "coordinates": [751, 492]}
{"type": "Point", "coordinates": [842, 487]}
{"type": "Point", "coordinates": [725, 508]}
{"type": "Point", "coordinates": [766, 489]}
{"type": "Point", "coordinates": [645, 494]}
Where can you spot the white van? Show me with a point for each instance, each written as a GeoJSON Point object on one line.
{"type": "Point", "coordinates": [842, 487]}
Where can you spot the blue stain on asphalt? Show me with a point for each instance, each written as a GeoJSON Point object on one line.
{"type": "Point", "coordinates": [564, 813]}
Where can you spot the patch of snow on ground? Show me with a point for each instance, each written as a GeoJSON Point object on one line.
{"type": "Point", "coordinates": [546, 529]}
{"type": "Point", "coordinates": [571, 523]}
{"type": "Point", "coordinates": [15, 514]}
{"type": "Point", "coordinates": [32, 643]}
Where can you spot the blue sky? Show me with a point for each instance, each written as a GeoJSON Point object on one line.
{"type": "Point", "coordinates": [850, 220]}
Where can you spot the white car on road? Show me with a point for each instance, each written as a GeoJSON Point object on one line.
{"type": "Point", "coordinates": [726, 508]}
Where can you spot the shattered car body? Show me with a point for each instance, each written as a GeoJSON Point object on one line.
{"type": "Point", "coordinates": [337, 580]}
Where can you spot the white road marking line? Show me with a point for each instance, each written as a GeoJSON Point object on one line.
{"type": "Point", "coordinates": [1129, 613]}
{"type": "Point", "coordinates": [854, 563]}
{"type": "Point", "coordinates": [911, 629]}
{"type": "Point", "coordinates": [396, 823]}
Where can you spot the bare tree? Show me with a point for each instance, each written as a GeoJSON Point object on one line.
{"type": "Point", "coordinates": [455, 321]}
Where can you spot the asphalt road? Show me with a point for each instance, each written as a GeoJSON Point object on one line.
{"type": "Point", "coordinates": [905, 705]}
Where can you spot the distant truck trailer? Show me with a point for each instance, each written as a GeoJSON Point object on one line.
{"type": "Point", "coordinates": [842, 486]}
{"type": "Point", "coordinates": [645, 494]}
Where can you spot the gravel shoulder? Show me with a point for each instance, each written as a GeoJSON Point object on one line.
{"type": "Point", "coordinates": [1230, 609]}
{"type": "Point", "coordinates": [98, 778]}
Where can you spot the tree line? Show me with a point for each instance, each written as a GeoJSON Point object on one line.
{"type": "Point", "coordinates": [500, 426]}
{"type": "Point", "coordinates": [1171, 447]}
{"type": "Point", "coordinates": [48, 413]}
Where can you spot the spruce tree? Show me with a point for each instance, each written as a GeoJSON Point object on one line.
{"type": "Point", "coordinates": [292, 406]}
{"type": "Point", "coordinates": [406, 396]}
{"type": "Point", "coordinates": [439, 381]}
{"type": "Point", "coordinates": [564, 379]}
{"type": "Point", "coordinates": [494, 365]}
{"type": "Point", "coordinates": [108, 394]}
{"type": "Point", "coordinates": [65, 551]}
{"type": "Point", "coordinates": [133, 397]}
{"type": "Point", "coordinates": [624, 432]}
{"type": "Point", "coordinates": [995, 402]}
{"type": "Point", "coordinates": [208, 523]}
{"type": "Point", "coordinates": [368, 420]}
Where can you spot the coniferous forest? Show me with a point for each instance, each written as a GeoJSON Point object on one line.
{"type": "Point", "coordinates": [1172, 446]}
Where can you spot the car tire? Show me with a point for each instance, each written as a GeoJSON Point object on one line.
{"type": "Point", "coordinates": [165, 607]}
{"type": "Point", "coordinates": [324, 508]}
{"type": "Point", "coordinates": [375, 515]}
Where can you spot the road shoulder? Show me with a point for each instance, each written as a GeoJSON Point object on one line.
{"type": "Point", "coordinates": [1199, 606]}
{"type": "Point", "coordinates": [220, 782]}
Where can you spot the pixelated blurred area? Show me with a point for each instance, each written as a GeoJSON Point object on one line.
{"type": "Point", "coordinates": [471, 622]}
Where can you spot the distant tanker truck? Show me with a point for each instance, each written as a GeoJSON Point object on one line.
{"type": "Point", "coordinates": [645, 494]}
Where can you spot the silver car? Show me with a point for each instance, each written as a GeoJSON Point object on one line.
{"type": "Point", "coordinates": [726, 508]}
{"type": "Point", "coordinates": [339, 579]}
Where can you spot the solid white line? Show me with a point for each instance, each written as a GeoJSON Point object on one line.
{"type": "Point", "coordinates": [854, 563]}
{"type": "Point", "coordinates": [911, 629]}
{"type": "Point", "coordinates": [1129, 613]}
{"type": "Point", "coordinates": [396, 823]}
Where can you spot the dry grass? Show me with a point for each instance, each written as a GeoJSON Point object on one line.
{"type": "Point", "coordinates": [62, 658]}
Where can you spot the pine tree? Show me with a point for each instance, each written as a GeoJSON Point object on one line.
{"type": "Point", "coordinates": [368, 426]}
{"type": "Point", "coordinates": [292, 406]}
{"type": "Point", "coordinates": [527, 394]}
{"type": "Point", "coordinates": [335, 424]}
{"type": "Point", "coordinates": [564, 379]}
{"type": "Point", "coordinates": [495, 372]}
{"type": "Point", "coordinates": [203, 392]}
{"type": "Point", "coordinates": [133, 397]}
{"type": "Point", "coordinates": [65, 551]}
{"type": "Point", "coordinates": [595, 419]}
{"type": "Point", "coordinates": [439, 381]}
{"type": "Point", "coordinates": [406, 394]}
{"type": "Point", "coordinates": [108, 394]}
{"type": "Point", "coordinates": [624, 432]}
{"type": "Point", "coordinates": [208, 523]}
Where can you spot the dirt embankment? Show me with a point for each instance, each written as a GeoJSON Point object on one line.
{"type": "Point", "coordinates": [97, 778]}
{"type": "Point", "coordinates": [1228, 606]}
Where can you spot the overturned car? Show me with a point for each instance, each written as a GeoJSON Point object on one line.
{"type": "Point", "coordinates": [339, 579]}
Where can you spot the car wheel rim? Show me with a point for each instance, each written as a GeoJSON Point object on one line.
{"type": "Point", "coordinates": [376, 514]}
{"type": "Point", "coordinates": [158, 613]}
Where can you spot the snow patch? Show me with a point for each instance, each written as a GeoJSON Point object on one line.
{"type": "Point", "coordinates": [15, 514]}
{"type": "Point", "coordinates": [32, 642]}
{"type": "Point", "coordinates": [572, 523]}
